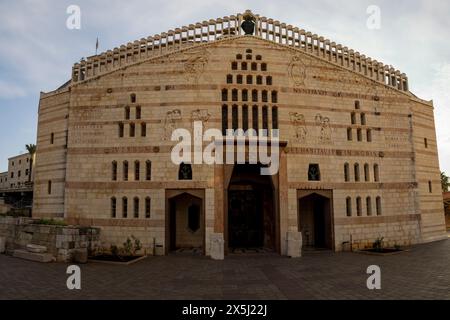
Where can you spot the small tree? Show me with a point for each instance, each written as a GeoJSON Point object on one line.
{"type": "Point", "coordinates": [445, 182]}
{"type": "Point", "coordinates": [31, 148]}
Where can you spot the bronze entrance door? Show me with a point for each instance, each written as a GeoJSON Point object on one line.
{"type": "Point", "coordinates": [245, 219]}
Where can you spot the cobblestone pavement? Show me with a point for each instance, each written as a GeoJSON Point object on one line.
{"type": "Point", "coordinates": [421, 273]}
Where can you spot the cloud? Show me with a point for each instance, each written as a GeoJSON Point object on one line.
{"type": "Point", "coordinates": [10, 90]}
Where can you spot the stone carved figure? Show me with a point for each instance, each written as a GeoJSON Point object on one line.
{"type": "Point", "coordinates": [297, 70]}
{"type": "Point", "coordinates": [325, 128]}
{"type": "Point", "coordinates": [195, 65]}
{"type": "Point", "coordinates": [172, 117]}
{"type": "Point", "coordinates": [200, 115]}
{"type": "Point", "coordinates": [299, 123]}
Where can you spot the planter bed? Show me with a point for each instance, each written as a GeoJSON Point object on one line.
{"type": "Point", "coordinates": [382, 252]}
{"type": "Point", "coordinates": [109, 259]}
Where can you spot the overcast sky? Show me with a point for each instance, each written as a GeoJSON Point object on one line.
{"type": "Point", "coordinates": [37, 50]}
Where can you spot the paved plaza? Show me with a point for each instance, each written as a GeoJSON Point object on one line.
{"type": "Point", "coordinates": [421, 273]}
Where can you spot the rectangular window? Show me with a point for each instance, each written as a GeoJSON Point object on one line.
{"type": "Point", "coordinates": [274, 118]}
{"type": "Point", "coordinates": [114, 171]}
{"type": "Point", "coordinates": [359, 134]}
{"type": "Point", "coordinates": [138, 112]}
{"type": "Point", "coordinates": [349, 134]}
{"type": "Point", "coordinates": [52, 138]}
{"type": "Point", "coordinates": [425, 141]}
{"type": "Point", "coordinates": [255, 123]}
{"type": "Point", "coordinates": [132, 129]}
{"type": "Point", "coordinates": [430, 187]}
{"type": "Point", "coordinates": [234, 117]}
{"type": "Point", "coordinates": [224, 119]}
{"type": "Point", "coordinates": [369, 135]}
{"type": "Point", "coordinates": [49, 187]}
{"type": "Point", "coordinates": [265, 119]}
{"type": "Point", "coordinates": [125, 171]}
{"type": "Point", "coordinates": [143, 130]}
{"type": "Point", "coordinates": [120, 130]}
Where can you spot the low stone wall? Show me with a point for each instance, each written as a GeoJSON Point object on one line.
{"type": "Point", "coordinates": [61, 241]}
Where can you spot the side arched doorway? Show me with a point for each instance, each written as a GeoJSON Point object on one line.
{"type": "Point", "coordinates": [186, 223]}
{"type": "Point", "coordinates": [315, 218]}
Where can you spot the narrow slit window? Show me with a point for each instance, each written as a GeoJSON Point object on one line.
{"type": "Point", "coordinates": [234, 117]}
{"type": "Point", "coordinates": [347, 172]}
{"type": "Point", "coordinates": [113, 207]}
{"type": "Point", "coordinates": [369, 206]}
{"type": "Point", "coordinates": [125, 171]}
{"type": "Point", "coordinates": [224, 119]}
{"type": "Point", "coordinates": [356, 167]}
{"type": "Point", "coordinates": [148, 170]}
{"type": "Point", "coordinates": [147, 207]}
{"type": "Point", "coordinates": [245, 117]}
{"type": "Point", "coordinates": [138, 113]}
{"type": "Point", "coordinates": [124, 207]}
{"type": "Point", "coordinates": [274, 118]}
{"type": "Point", "coordinates": [114, 171]}
{"type": "Point", "coordinates": [137, 169]}
{"type": "Point", "coordinates": [255, 122]}
{"type": "Point", "coordinates": [136, 207]}
{"type": "Point", "coordinates": [348, 202]}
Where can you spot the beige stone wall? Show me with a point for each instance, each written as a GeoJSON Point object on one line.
{"type": "Point", "coordinates": [4, 180]}
{"type": "Point", "coordinates": [18, 171]}
{"type": "Point", "coordinates": [50, 162]}
{"type": "Point", "coordinates": [315, 103]}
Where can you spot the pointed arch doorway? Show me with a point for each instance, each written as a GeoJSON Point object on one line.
{"type": "Point", "coordinates": [315, 219]}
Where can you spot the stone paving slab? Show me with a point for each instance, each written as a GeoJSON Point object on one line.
{"type": "Point", "coordinates": [421, 273]}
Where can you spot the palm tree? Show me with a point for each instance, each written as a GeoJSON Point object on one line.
{"type": "Point", "coordinates": [31, 148]}
{"type": "Point", "coordinates": [445, 182]}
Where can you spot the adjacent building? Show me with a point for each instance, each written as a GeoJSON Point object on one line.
{"type": "Point", "coordinates": [357, 150]}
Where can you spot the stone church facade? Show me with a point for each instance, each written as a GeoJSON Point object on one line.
{"type": "Point", "coordinates": [357, 152]}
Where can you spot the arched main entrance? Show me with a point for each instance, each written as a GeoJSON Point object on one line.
{"type": "Point", "coordinates": [251, 210]}
{"type": "Point", "coordinates": [315, 220]}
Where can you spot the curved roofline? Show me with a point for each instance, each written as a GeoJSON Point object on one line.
{"type": "Point", "coordinates": [229, 26]}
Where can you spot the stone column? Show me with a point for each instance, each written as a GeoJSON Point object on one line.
{"type": "Point", "coordinates": [283, 201]}
{"type": "Point", "coordinates": [217, 244]}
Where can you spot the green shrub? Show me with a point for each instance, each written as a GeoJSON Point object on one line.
{"type": "Point", "coordinates": [51, 222]}
{"type": "Point", "coordinates": [378, 244]}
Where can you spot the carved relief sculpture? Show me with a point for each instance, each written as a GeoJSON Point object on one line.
{"type": "Point", "coordinates": [297, 70]}
{"type": "Point", "coordinates": [195, 65]}
{"type": "Point", "coordinates": [299, 123]}
{"type": "Point", "coordinates": [172, 117]}
{"type": "Point", "coordinates": [325, 128]}
{"type": "Point", "coordinates": [200, 115]}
